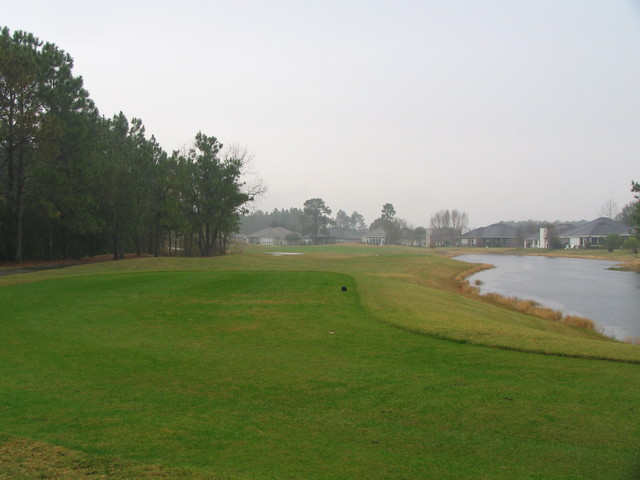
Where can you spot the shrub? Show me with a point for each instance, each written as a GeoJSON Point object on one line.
{"type": "Point", "coordinates": [631, 243]}
{"type": "Point", "coordinates": [611, 242]}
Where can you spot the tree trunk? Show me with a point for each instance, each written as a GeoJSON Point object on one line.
{"type": "Point", "coordinates": [19, 207]}
{"type": "Point", "coordinates": [116, 250]}
{"type": "Point", "coordinates": [51, 249]}
{"type": "Point", "coordinates": [19, 214]}
{"type": "Point", "coordinates": [156, 249]}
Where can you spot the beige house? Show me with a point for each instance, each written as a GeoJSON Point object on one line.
{"type": "Point", "coordinates": [375, 237]}
{"type": "Point", "coordinates": [276, 236]}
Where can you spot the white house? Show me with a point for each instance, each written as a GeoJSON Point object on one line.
{"type": "Point", "coordinates": [538, 240]}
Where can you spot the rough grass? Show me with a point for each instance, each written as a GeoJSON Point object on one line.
{"type": "Point", "coordinates": [533, 308]}
{"type": "Point", "coordinates": [24, 459]}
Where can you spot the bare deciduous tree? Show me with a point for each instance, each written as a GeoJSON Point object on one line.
{"type": "Point", "coordinates": [609, 209]}
{"type": "Point", "coordinates": [253, 185]}
{"type": "Point", "coordinates": [447, 225]}
{"type": "Point", "coordinates": [459, 221]}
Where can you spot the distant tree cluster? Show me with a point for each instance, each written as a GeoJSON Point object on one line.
{"type": "Point", "coordinates": [354, 222]}
{"type": "Point", "coordinates": [634, 208]}
{"type": "Point", "coordinates": [289, 218]}
{"type": "Point", "coordinates": [446, 226]}
{"type": "Point", "coordinates": [315, 220]}
{"type": "Point", "coordinates": [315, 214]}
{"type": "Point", "coordinates": [628, 215]}
{"type": "Point", "coordinates": [73, 183]}
{"type": "Point", "coordinates": [398, 231]}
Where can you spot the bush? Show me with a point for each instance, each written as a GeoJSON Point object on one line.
{"type": "Point", "coordinates": [632, 244]}
{"type": "Point", "coordinates": [611, 242]}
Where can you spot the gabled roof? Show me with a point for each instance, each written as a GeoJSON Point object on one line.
{"type": "Point", "coordinates": [271, 232]}
{"type": "Point", "coordinates": [600, 227]}
{"type": "Point", "coordinates": [378, 232]}
{"type": "Point", "coordinates": [563, 227]}
{"type": "Point", "coordinates": [497, 230]}
{"type": "Point", "coordinates": [344, 233]}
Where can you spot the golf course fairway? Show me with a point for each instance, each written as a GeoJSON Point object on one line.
{"type": "Point", "coordinates": [260, 366]}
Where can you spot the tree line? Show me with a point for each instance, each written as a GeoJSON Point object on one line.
{"type": "Point", "coordinates": [314, 219]}
{"type": "Point", "coordinates": [445, 226]}
{"type": "Point", "coordinates": [74, 183]}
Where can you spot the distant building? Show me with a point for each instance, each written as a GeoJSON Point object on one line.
{"type": "Point", "coordinates": [239, 238]}
{"type": "Point", "coordinates": [591, 234]}
{"type": "Point", "coordinates": [344, 235]}
{"type": "Point", "coordinates": [545, 237]}
{"type": "Point", "coordinates": [276, 236]}
{"type": "Point", "coordinates": [496, 235]}
{"type": "Point", "coordinates": [375, 237]}
{"type": "Point", "coordinates": [537, 240]}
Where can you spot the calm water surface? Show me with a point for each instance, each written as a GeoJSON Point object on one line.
{"type": "Point", "coordinates": [575, 286]}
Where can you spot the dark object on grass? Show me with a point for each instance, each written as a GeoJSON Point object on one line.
{"type": "Point", "coordinates": [344, 289]}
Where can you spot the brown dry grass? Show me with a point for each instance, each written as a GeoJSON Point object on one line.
{"type": "Point", "coordinates": [461, 277]}
{"type": "Point", "coordinates": [579, 322]}
{"type": "Point", "coordinates": [529, 307]}
{"type": "Point", "coordinates": [21, 458]}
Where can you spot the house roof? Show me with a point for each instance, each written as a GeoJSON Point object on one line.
{"type": "Point", "coordinates": [558, 227]}
{"type": "Point", "coordinates": [497, 230]}
{"type": "Point", "coordinates": [600, 227]}
{"type": "Point", "coordinates": [563, 227]}
{"type": "Point", "coordinates": [344, 233]}
{"type": "Point", "coordinates": [378, 232]}
{"type": "Point", "coordinates": [271, 232]}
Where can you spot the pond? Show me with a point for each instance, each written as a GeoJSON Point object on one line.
{"type": "Point", "coordinates": [575, 286]}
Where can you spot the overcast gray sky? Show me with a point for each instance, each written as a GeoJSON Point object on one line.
{"type": "Point", "coordinates": [506, 109]}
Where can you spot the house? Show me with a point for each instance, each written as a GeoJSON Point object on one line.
{"type": "Point", "coordinates": [320, 239]}
{"type": "Point", "coordinates": [591, 234]}
{"type": "Point", "coordinates": [413, 241]}
{"type": "Point", "coordinates": [239, 238]}
{"type": "Point", "coordinates": [276, 236]}
{"type": "Point", "coordinates": [414, 238]}
{"type": "Point", "coordinates": [496, 235]}
{"type": "Point", "coordinates": [537, 240]}
{"type": "Point", "coordinates": [375, 237]}
{"type": "Point", "coordinates": [546, 236]}
{"type": "Point", "coordinates": [344, 235]}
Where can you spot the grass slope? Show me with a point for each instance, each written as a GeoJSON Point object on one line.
{"type": "Point", "coordinates": [255, 366]}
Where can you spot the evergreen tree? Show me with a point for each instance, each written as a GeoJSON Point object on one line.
{"type": "Point", "coordinates": [635, 212]}
{"type": "Point", "coordinates": [73, 183]}
{"type": "Point", "coordinates": [315, 217]}
{"type": "Point", "coordinates": [213, 198]}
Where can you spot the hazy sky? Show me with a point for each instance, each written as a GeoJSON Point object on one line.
{"type": "Point", "coordinates": [506, 109]}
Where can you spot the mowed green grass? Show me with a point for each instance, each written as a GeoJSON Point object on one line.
{"type": "Point", "coordinates": [274, 372]}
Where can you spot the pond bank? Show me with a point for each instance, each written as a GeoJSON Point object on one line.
{"type": "Point", "coordinates": [587, 289]}
{"type": "Point", "coordinates": [626, 261]}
